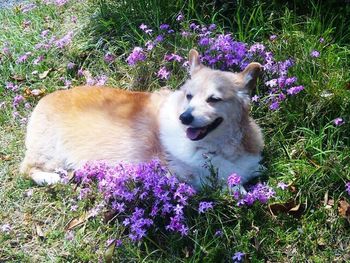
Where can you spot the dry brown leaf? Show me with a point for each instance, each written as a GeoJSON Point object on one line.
{"type": "Point", "coordinates": [44, 74]}
{"type": "Point", "coordinates": [34, 93]}
{"type": "Point", "coordinates": [295, 208]}
{"type": "Point", "coordinates": [344, 209]}
{"type": "Point", "coordinates": [17, 77]}
{"type": "Point", "coordinates": [289, 207]}
{"type": "Point", "coordinates": [77, 221]}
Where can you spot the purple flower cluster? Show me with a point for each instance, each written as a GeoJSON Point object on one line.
{"type": "Point", "coordinates": [204, 207]}
{"type": "Point", "coordinates": [315, 54]}
{"type": "Point", "coordinates": [221, 51]}
{"type": "Point", "coordinates": [28, 7]}
{"type": "Point", "coordinates": [233, 180]}
{"type": "Point", "coordinates": [257, 193]}
{"type": "Point", "coordinates": [136, 56]}
{"type": "Point", "coordinates": [139, 194]}
{"type": "Point", "coordinates": [65, 40]}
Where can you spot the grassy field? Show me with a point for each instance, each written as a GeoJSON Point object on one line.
{"type": "Point", "coordinates": [51, 45]}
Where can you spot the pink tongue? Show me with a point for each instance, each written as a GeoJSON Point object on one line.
{"type": "Point", "coordinates": [193, 133]}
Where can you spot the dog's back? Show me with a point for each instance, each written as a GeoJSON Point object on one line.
{"type": "Point", "coordinates": [70, 127]}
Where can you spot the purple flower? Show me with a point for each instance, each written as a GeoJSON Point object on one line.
{"type": "Point", "coordinates": [163, 73]}
{"type": "Point", "coordinates": [74, 19]}
{"type": "Point", "coordinates": [347, 185]}
{"type": "Point", "coordinates": [205, 206]}
{"type": "Point", "coordinates": [315, 54]}
{"type": "Point", "coordinates": [321, 40]}
{"type": "Point", "coordinates": [273, 37]}
{"type": "Point", "coordinates": [255, 98]}
{"type": "Point", "coordinates": [194, 26]}
{"type": "Point", "coordinates": [180, 17]}
{"type": "Point", "coordinates": [101, 80]}
{"type": "Point", "coordinates": [295, 90]}
{"type": "Point", "coordinates": [65, 40]}
{"type": "Point", "coordinates": [173, 57]}
{"type": "Point", "coordinates": [143, 27]}
{"type": "Point", "coordinates": [204, 41]}
{"type": "Point", "coordinates": [23, 58]}
{"type": "Point", "coordinates": [212, 27]}
{"type": "Point", "coordinates": [6, 228]}
{"type": "Point", "coordinates": [257, 48]}
{"type": "Point", "coordinates": [218, 233]}
{"type": "Point", "coordinates": [290, 81]}
{"type": "Point", "coordinates": [164, 27]}
{"type": "Point", "coordinates": [138, 192]}
{"type": "Point", "coordinates": [73, 207]}
{"type": "Point", "coordinates": [11, 86]}
{"type": "Point", "coordinates": [70, 65]}
{"type": "Point", "coordinates": [159, 38]}
{"type": "Point", "coordinates": [282, 185]}
{"type": "Point", "coordinates": [233, 180]}
{"type": "Point", "coordinates": [150, 45]}
{"type": "Point", "coordinates": [60, 2]}
{"type": "Point", "coordinates": [149, 31]}
{"type": "Point", "coordinates": [274, 105]}
{"type": "Point", "coordinates": [238, 257]}
{"type": "Point", "coordinates": [136, 56]}
{"type": "Point", "coordinates": [38, 60]}
{"type": "Point", "coordinates": [185, 33]}
{"type": "Point", "coordinates": [338, 121]}
{"type": "Point", "coordinates": [109, 57]}
{"type": "Point", "coordinates": [28, 7]}
{"type": "Point", "coordinates": [69, 235]}
{"type": "Point", "coordinates": [17, 100]}
{"type": "Point", "coordinates": [45, 33]}
{"type": "Point", "coordinates": [6, 51]}
{"type": "Point", "coordinates": [80, 72]}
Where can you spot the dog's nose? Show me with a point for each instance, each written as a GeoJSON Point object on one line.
{"type": "Point", "coordinates": [186, 118]}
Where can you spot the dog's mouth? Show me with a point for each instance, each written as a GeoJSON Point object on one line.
{"type": "Point", "coordinates": [198, 133]}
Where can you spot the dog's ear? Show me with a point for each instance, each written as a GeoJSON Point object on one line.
{"type": "Point", "coordinates": [193, 61]}
{"type": "Point", "coordinates": [250, 75]}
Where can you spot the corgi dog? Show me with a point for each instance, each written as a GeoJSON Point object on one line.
{"type": "Point", "coordinates": [206, 120]}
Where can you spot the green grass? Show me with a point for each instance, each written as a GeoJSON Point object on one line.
{"type": "Point", "coordinates": [303, 147]}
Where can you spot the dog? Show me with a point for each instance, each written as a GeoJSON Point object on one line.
{"type": "Point", "coordinates": [206, 120]}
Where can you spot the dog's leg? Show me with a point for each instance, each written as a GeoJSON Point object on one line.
{"type": "Point", "coordinates": [41, 177]}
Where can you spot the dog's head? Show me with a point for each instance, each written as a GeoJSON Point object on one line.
{"type": "Point", "coordinates": [214, 98]}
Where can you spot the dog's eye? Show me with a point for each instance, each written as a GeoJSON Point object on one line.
{"type": "Point", "coordinates": [213, 99]}
{"type": "Point", "coordinates": [189, 96]}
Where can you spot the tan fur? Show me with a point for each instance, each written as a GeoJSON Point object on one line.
{"type": "Point", "coordinates": [92, 123]}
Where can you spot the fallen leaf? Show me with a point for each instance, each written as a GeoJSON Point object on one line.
{"type": "Point", "coordinates": [344, 209]}
{"type": "Point", "coordinates": [33, 93]}
{"type": "Point", "coordinates": [17, 77]}
{"type": "Point", "coordinates": [77, 221]}
{"type": "Point", "coordinates": [325, 198]}
{"type": "Point", "coordinates": [321, 242]}
{"type": "Point", "coordinates": [289, 207]}
{"type": "Point", "coordinates": [109, 253]}
{"type": "Point", "coordinates": [108, 216]}
{"type": "Point", "coordinates": [44, 74]}
{"type": "Point", "coordinates": [39, 231]}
